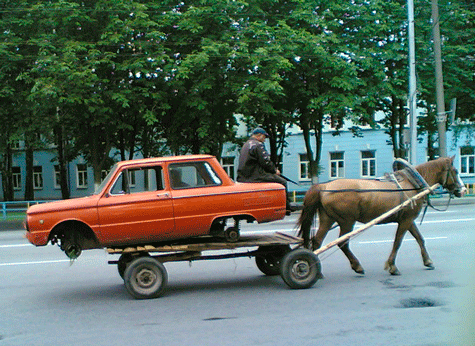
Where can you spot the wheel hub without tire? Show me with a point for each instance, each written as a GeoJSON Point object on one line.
{"type": "Point", "coordinates": [301, 269]}
{"type": "Point", "coordinates": [146, 278]}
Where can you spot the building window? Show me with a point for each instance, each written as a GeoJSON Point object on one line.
{"type": "Point", "coordinates": [337, 164]}
{"type": "Point", "coordinates": [16, 176]}
{"type": "Point", "coordinates": [368, 164]}
{"type": "Point", "coordinates": [304, 167]}
{"type": "Point", "coordinates": [132, 178]}
{"type": "Point", "coordinates": [16, 144]}
{"type": "Point", "coordinates": [467, 160]}
{"type": "Point", "coordinates": [37, 177]}
{"type": "Point", "coordinates": [228, 165]}
{"type": "Point", "coordinates": [81, 176]}
{"type": "Point", "coordinates": [57, 177]}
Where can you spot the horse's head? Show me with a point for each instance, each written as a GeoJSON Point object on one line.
{"type": "Point", "coordinates": [450, 179]}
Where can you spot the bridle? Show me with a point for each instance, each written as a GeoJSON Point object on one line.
{"type": "Point", "coordinates": [453, 174]}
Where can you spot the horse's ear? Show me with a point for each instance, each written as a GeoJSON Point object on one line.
{"type": "Point", "coordinates": [452, 159]}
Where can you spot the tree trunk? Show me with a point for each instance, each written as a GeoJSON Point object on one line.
{"type": "Point", "coordinates": [62, 162]}
{"type": "Point", "coordinates": [318, 128]}
{"type": "Point", "coordinates": [29, 189]}
{"type": "Point", "coordinates": [7, 176]}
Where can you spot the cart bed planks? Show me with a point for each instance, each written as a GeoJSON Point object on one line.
{"type": "Point", "coordinates": [208, 244]}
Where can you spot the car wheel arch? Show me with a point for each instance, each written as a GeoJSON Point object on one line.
{"type": "Point", "coordinates": [77, 230]}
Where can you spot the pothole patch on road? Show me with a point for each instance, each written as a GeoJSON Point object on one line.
{"type": "Point", "coordinates": [442, 284]}
{"type": "Point", "coordinates": [419, 303]}
{"type": "Point", "coordinates": [218, 318]}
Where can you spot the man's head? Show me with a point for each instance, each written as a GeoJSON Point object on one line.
{"type": "Point", "coordinates": [260, 134]}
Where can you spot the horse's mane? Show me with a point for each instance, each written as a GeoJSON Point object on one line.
{"type": "Point", "coordinates": [433, 167]}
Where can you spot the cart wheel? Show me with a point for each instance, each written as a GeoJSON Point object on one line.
{"type": "Point", "coordinates": [231, 234]}
{"type": "Point", "coordinates": [125, 259]}
{"type": "Point", "coordinates": [300, 269]}
{"type": "Point", "coordinates": [145, 277]}
{"type": "Point", "coordinates": [269, 262]}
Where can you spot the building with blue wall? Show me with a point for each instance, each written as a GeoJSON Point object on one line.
{"type": "Point", "coordinates": [343, 156]}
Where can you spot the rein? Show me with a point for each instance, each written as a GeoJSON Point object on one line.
{"type": "Point", "coordinates": [429, 204]}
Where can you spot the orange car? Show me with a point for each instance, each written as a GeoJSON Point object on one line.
{"type": "Point", "coordinates": [155, 200]}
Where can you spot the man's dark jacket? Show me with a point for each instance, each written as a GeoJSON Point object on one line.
{"type": "Point", "coordinates": [254, 163]}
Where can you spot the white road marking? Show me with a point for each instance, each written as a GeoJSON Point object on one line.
{"type": "Point", "coordinates": [453, 220]}
{"type": "Point", "coordinates": [33, 262]}
{"type": "Point", "coordinates": [391, 240]}
{"type": "Point", "coordinates": [15, 245]}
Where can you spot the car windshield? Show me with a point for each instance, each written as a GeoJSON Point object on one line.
{"type": "Point", "coordinates": [105, 180]}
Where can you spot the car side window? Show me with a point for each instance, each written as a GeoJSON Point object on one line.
{"type": "Point", "coordinates": [137, 180]}
{"type": "Point", "coordinates": [191, 175]}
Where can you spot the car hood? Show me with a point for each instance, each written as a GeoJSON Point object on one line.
{"type": "Point", "coordinates": [68, 204]}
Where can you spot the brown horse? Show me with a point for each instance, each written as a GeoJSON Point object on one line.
{"type": "Point", "coordinates": [346, 201]}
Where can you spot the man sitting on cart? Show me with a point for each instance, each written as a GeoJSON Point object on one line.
{"type": "Point", "coordinates": [256, 166]}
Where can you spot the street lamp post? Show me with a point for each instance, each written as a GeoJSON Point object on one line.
{"type": "Point", "coordinates": [439, 81]}
{"type": "Point", "coordinates": [412, 84]}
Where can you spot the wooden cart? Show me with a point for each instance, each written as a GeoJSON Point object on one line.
{"type": "Point", "coordinates": [145, 275]}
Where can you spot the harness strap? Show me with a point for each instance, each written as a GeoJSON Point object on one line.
{"type": "Point", "coordinates": [396, 181]}
{"type": "Point", "coordinates": [414, 176]}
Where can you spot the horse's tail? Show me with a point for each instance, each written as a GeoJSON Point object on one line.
{"type": "Point", "coordinates": [311, 204]}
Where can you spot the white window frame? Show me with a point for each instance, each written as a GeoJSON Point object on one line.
{"type": "Point", "coordinates": [81, 176]}
{"type": "Point", "coordinates": [337, 165]}
{"type": "Point", "coordinates": [304, 168]}
{"type": "Point", "coordinates": [367, 163]}
{"type": "Point", "coordinates": [467, 161]}
{"type": "Point", "coordinates": [132, 179]}
{"type": "Point", "coordinates": [56, 177]}
{"type": "Point", "coordinates": [16, 178]}
{"type": "Point", "coordinates": [227, 162]}
{"type": "Point", "coordinates": [16, 145]}
{"type": "Point", "coordinates": [37, 177]}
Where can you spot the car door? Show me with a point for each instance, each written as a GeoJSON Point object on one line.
{"type": "Point", "coordinates": [137, 208]}
{"type": "Point", "coordinates": [197, 197]}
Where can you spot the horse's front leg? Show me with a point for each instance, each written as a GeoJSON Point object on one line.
{"type": "Point", "coordinates": [391, 262]}
{"type": "Point", "coordinates": [420, 240]}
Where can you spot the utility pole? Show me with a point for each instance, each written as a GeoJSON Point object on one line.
{"type": "Point", "coordinates": [412, 84]}
{"type": "Point", "coordinates": [439, 81]}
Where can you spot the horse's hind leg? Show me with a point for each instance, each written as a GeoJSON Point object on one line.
{"type": "Point", "coordinates": [345, 247]}
{"type": "Point", "coordinates": [324, 225]}
{"type": "Point", "coordinates": [420, 240]}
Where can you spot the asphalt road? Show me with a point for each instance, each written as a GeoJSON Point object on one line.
{"type": "Point", "coordinates": [46, 300]}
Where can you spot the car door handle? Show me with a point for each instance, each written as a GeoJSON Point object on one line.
{"type": "Point", "coordinates": [163, 195]}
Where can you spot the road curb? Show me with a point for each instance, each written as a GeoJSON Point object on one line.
{"type": "Point", "coordinates": [11, 225]}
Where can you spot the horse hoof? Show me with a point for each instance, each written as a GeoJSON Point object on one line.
{"type": "Point", "coordinates": [429, 264]}
{"type": "Point", "coordinates": [394, 271]}
{"type": "Point", "coordinates": [359, 270]}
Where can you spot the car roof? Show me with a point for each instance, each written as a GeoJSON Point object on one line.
{"type": "Point", "coordinates": [164, 159]}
